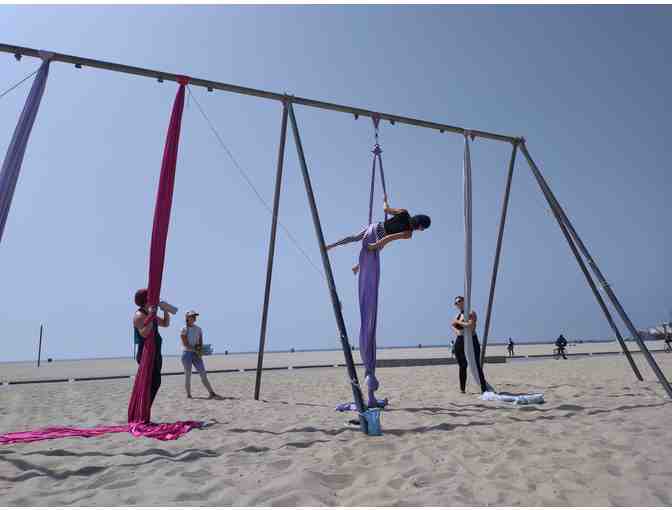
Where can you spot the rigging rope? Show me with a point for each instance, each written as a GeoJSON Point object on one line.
{"type": "Point", "coordinates": [250, 184]}
{"type": "Point", "coordinates": [19, 83]}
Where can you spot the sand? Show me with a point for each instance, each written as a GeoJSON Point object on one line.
{"type": "Point", "coordinates": [602, 438]}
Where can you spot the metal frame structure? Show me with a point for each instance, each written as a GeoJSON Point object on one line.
{"type": "Point", "coordinates": [288, 101]}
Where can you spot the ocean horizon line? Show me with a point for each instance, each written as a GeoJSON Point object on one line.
{"type": "Point", "coordinates": [290, 350]}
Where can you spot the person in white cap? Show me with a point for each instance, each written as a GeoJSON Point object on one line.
{"type": "Point", "coordinates": [192, 344]}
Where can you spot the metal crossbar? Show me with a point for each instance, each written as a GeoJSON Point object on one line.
{"type": "Point", "coordinates": [79, 62]}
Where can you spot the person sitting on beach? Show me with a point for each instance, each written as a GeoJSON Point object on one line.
{"type": "Point", "coordinates": [400, 226]}
{"type": "Point", "coordinates": [458, 326]}
{"type": "Point", "coordinates": [142, 331]}
{"type": "Point", "coordinates": [561, 343]}
{"type": "Point", "coordinates": [192, 345]}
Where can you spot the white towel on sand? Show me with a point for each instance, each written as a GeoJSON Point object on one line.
{"type": "Point", "coordinates": [530, 398]}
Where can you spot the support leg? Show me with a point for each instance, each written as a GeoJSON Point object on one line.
{"type": "Point", "coordinates": [352, 373]}
{"type": "Point", "coordinates": [498, 250]}
{"type": "Point", "coordinates": [271, 251]}
{"type": "Point", "coordinates": [565, 226]}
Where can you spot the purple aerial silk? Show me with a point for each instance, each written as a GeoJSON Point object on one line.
{"type": "Point", "coordinates": [369, 279]}
{"type": "Point", "coordinates": [377, 151]}
{"type": "Point", "coordinates": [11, 166]}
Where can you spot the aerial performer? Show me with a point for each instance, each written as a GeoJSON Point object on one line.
{"type": "Point", "coordinates": [374, 238]}
{"type": "Point", "coordinates": [400, 226]}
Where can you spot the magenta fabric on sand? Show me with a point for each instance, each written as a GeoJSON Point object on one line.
{"type": "Point", "coordinates": [139, 406]}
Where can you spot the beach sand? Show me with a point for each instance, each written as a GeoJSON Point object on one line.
{"type": "Point", "coordinates": [602, 438]}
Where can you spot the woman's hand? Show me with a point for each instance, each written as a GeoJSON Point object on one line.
{"type": "Point", "coordinates": [355, 269]}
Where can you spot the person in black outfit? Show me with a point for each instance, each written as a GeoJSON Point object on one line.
{"type": "Point", "coordinates": [561, 343]}
{"type": "Point", "coordinates": [142, 331]}
{"type": "Point", "coordinates": [400, 225]}
{"type": "Point", "coordinates": [458, 326]}
{"type": "Point", "coordinates": [510, 347]}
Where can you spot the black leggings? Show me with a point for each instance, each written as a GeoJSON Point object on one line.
{"type": "Point", "coordinates": [156, 372]}
{"type": "Point", "coordinates": [462, 362]}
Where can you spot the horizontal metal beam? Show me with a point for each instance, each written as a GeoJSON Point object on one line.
{"type": "Point", "coordinates": [20, 51]}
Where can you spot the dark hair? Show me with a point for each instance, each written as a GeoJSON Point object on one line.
{"type": "Point", "coordinates": [420, 220]}
{"type": "Point", "coordinates": [141, 297]}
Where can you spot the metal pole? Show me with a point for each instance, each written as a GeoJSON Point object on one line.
{"type": "Point", "coordinates": [212, 85]}
{"type": "Point", "coordinates": [39, 348]}
{"type": "Point", "coordinates": [565, 225]}
{"type": "Point", "coordinates": [271, 250]}
{"type": "Point", "coordinates": [500, 236]}
{"type": "Point", "coordinates": [345, 344]}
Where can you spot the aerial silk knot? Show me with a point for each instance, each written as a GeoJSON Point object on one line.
{"type": "Point", "coordinates": [183, 80]}
{"type": "Point", "coordinates": [377, 150]}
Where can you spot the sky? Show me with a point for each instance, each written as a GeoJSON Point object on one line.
{"type": "Point", "coordinates": [588, 88]}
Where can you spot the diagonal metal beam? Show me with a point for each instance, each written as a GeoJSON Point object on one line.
{"type": "Point", "coordinates": [335, 302]}
{"type": "Point", "coordinates": [577, 245]}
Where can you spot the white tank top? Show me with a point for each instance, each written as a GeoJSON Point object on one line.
{"type": "Point", "coordinates": [193, 335]}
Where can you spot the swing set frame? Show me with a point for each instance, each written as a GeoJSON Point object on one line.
{"type": "Point", "coordinates": [576, 244]}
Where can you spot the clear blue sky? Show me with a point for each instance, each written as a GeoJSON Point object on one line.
{"type": "Point", "coordinates": [589, 88]}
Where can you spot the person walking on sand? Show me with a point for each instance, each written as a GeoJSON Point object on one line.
{"type": "Point", "coordinates": [510, 347]}
{"type": "Point", "coordinates": [192, 345]}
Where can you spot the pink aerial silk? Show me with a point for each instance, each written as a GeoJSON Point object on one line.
{"type": "Point", "coordinates": [161, 431]}
{"type": "Point", "coordinates": [139, 406]}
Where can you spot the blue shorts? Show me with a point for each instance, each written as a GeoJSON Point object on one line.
{"type": "Point", "coordinates": [191, 358]}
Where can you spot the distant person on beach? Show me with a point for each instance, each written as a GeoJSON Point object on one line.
{"type": "Point", "coordinates": [458, 326]}
{"type": "Point", "coordinates": [452, 348]}
{"type": "Point", "coordinates": [668, 340]}
{"type": "Point", "coordinates": [192, 356]}
{"type": "Point", "coordinates": [561, 343]}
{"type": "Point", "coordinates": [142, 331]}
{"type": "Point", "coordinates": [510, 347]}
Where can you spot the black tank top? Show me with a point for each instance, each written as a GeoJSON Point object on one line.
{"type": "Point", "coordinates": [460, 317]}
{"type": "Point", "coordinates": [398, 223]}
{"type": "Point", "coordinates": [140, 340]}
{"type": "Point", "coordinates": [459, 326]}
